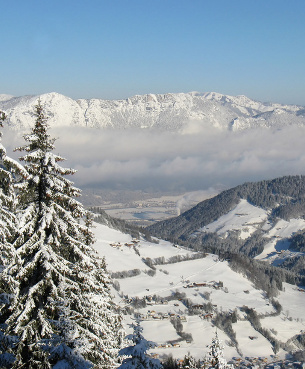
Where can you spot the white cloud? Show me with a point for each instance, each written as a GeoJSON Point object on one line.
{"type": "Point", "coordinates": [195, 160]}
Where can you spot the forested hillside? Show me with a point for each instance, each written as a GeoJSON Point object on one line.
{"type": "Point", "coordinates": [281, 199]}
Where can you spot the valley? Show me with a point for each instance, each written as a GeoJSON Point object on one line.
{"type": "Point", "coordinates": [152, 185]}
{"type": "Point", "coordinates": [205, 260]}
{"type": "Point", "coordinates": [144, 208]}
{"type": "Point", "coordinates": [182, 297]}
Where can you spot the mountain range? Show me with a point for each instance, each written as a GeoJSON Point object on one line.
{"type": "Point", "coordinates": [165, 112]}
{"type": "Point", "coordinates": [183, 289]}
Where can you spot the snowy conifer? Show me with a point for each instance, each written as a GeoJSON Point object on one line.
{"type": "Point", "coordinates": [9, 169]}
{"type": "Point", "coordinates": [65, 350]}
{"type": "Point", "coordinates": [56, 265]}
{"type": "Point", "coordinates": [215, 358]}
{"type": "Point", "coordinates": [89, 237]}
{"type": "Point", "coordinates": [189, 362]}
{"type": "Point", "coordinates": [137, 356]}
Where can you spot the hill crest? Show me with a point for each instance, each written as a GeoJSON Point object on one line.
{"type": "Point", "coordinates": [262, 219]}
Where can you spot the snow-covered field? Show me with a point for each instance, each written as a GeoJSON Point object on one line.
{"type": "Point", "coordinates": [245, 219]}
{"type": "Point", "coordinates": [225, 289]}
{"type": "Point", "coordinates": [275, 252]}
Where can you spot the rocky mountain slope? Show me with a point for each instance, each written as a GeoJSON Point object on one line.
{"type": "Point", "coordinates": [167, 112]}
{"type": "Point", "coordinates": [265, 220]}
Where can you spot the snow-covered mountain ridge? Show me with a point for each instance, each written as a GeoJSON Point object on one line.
{"type": "Point", "coordinates": [169, 112]}
{"type": "Point", "coordinates": [198, 293]}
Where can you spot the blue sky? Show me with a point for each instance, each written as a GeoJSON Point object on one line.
{"type": "Point", "coordinates": [114, 49]}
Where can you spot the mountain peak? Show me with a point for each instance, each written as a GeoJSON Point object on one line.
{"type": "Point", "coordinates": [165, 112]}
{"type": "Point", "coordinates": [5, 97]}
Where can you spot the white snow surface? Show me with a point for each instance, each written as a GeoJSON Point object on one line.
{"type": "Point", "coordinates": [277, 249]}
{"type": "Point", "coordinates": [172, 111]}
{"type": "Point", "coordinates": [236, 292]}
{"type": "Point", "coordinates": [244, 218]}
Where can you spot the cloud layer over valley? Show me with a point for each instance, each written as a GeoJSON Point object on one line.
{"type": "Point", "coordinates": [195, 160]}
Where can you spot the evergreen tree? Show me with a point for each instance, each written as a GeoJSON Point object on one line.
{"type": "Point", "coordinates": [9, 169]}
{"type": "Point", "coordinates": [88, 236]}
{"type": "Point", "coordinates": [189, 362]}
{"type": "Point", "coordinates": [138, 358]}
{"type": "Point", "coordinates": [56, 264]}
{"type": "Point", "coordinates": [64, 349]}
{"type": "Point", "coordinates": [215, 358]}
{"type": "Point", "coordinates": [170, 363]}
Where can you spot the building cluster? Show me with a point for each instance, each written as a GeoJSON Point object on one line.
{"type": "Point", "coordinates": [212, 284]}
{"type": "Point", "coordinates": [118, 245]}
{"type": "Point", "coordinates": [250, 362]}
{"type": "Point", "coordinates": [169, 344]}
{"type": "Point", "coordinates": [153, 315]}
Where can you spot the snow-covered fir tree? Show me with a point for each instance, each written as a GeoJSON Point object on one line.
{"type": "Point", "coordinates": [170, 363]}
{"type": "Point", "coordinates": [9, 169]}
{"type": "Point", "coordinates": [215, 357]}
{"type": "Point", "coordinates": [189, 362]}
{"type": "Point", "coordinates": [137, 357]}
{"type": "Point", "coordinates": [64, 347]}
{"type": "Point", "coordinates": [62, 314]}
